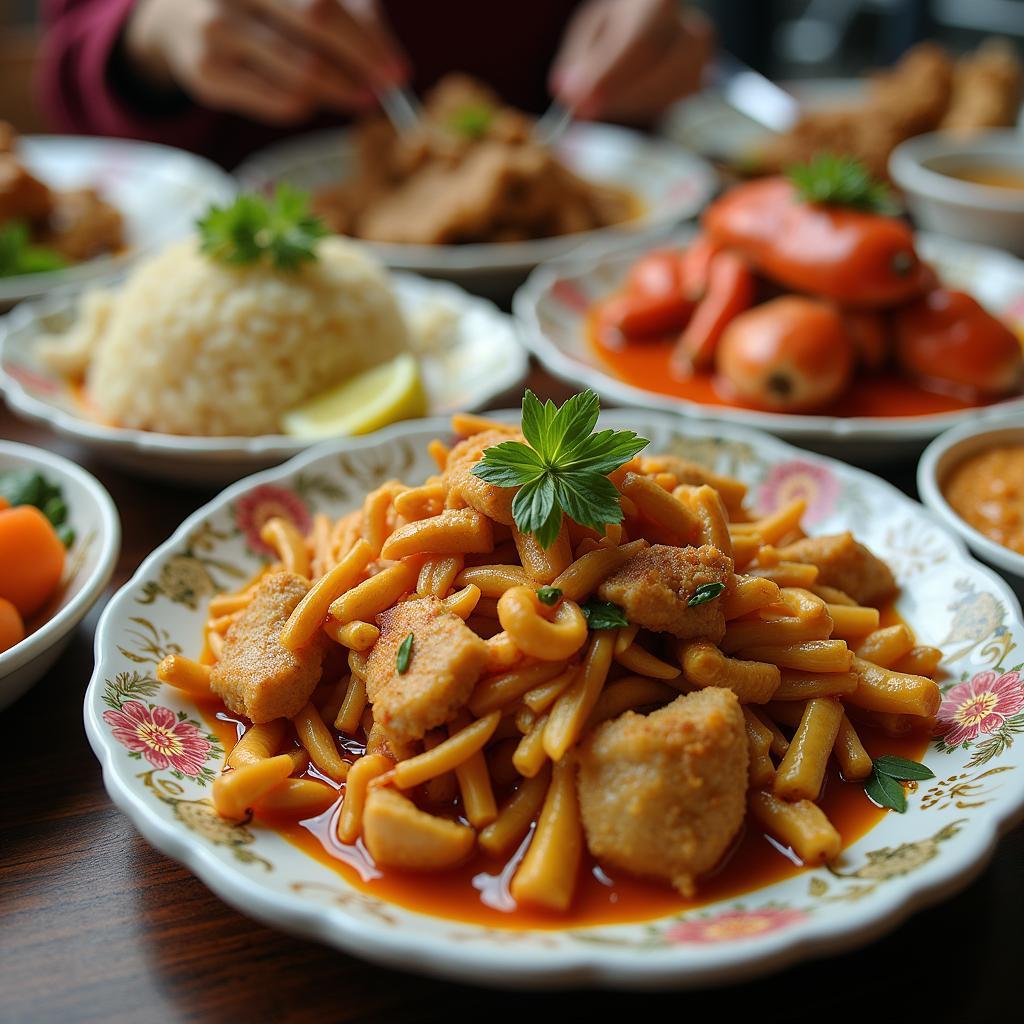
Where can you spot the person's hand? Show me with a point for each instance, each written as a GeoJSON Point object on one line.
{"type": "Point", "coordinates": [627, 60]}
{"type": "Point", "coordinates": [272, 60]}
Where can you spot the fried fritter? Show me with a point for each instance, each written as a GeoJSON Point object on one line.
{"type": "Point", "coordinates": [447, 658]}
{"type": "Point", "coordinates": [463, 486]}
{"type": "Point", "coordinates": [663, 795]}
{"type": "Point", "coordinates": [257, 676]}
{"type": "Point", "coordinates": [654, 586]}
{"type": "Point", "coordinates": [845, 564]}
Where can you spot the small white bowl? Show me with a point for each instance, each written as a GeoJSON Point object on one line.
{"type": "Point", "coordinates": [923, 166]}
{"type": "Point", "coordinates": [949, 450]}
{"type": "Point", "coordinates": [87, 571]}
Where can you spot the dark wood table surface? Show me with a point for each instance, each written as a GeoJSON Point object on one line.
{"type": "Point", "coordinates": [95, 925]}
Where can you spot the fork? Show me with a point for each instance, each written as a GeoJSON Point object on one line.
{"type": "Point", "coordinates": [551, 125]}
{"type": "Point", "coordinates": [402, 107]}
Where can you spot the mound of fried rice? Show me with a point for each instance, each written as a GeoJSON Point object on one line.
{"type": "Point", "coordinates": [191, 346]}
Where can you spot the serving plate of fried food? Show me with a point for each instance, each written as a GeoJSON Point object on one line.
{"type": "Point", "coordinates": [824, 321]}
{"type": "Point", "coordinates": [744, 705]}
{"type": "Point", "coordinates": [926, 90]}
{"type": "Point", "coordinates": [74, 209]}
{"type": "Point", "coordinates": [235, 348]}
{"type": "Point", "coordinates": [472, 196]}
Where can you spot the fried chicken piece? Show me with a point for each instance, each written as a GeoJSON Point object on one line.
{"type": "Point", "coordinates": [663, 795]}
{"type": "Point", "coordinates": [447, 658]}
{"type": "Point", "coordinates": [83, 226]}
{"type": "Point", "coordinates": [654, 586]}
{"type": "Point", "coordinates": [845, 564]}
{"type": "Point", "coordinates": [444, 203]}
{"type": "Point", "coordinates": [488, 499]}
{"type": "Point", "coordinates": [22, 195]}
{"type": "Point", "coordinates": [257, 676]}
{"type": "Point", "coordinates": [905, 100]}
{"type": "Point", "coordinates": [914, 94]}
{"type": "Point", "coordinates": [987, 89]}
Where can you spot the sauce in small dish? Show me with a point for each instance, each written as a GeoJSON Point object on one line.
{"type": "Point", "coordinates": [987, 491]}
{"type": "Point", "coordinates": [990, 176]}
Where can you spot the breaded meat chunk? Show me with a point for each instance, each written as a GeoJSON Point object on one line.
{"type": "Point", "coordinates": [488, 499]}
{"type": "Point", "coordinates": [257, 676]}
{"type": "Point", "coordinates": [663, 795]}
{"type": "Point", "coordinates": [654, 586]}
{"type": "Point", "coordinates": [447, 658]}
{"type": "Point", "coordinates": [845, 564]}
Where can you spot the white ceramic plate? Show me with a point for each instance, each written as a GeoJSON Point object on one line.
{"type": "Point", "coordinates": [159, 190]}
{"type": "Point", "coordinates": [475, 357]}
{"type": "Point", "coordinates": [671, 184]}
{"type": "Point", "coordinates": [906, 862]}
{"type": "Point", "coordinates": [90, 562]}
{"type": "Point", "coordinates": [550, 309]}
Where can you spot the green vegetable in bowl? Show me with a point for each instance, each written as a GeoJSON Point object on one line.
{"type": "Point", "coordinates": [30, 487]}
{"type": "Point", "coordinates": [19, 256]}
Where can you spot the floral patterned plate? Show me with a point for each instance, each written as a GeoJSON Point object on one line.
{"type": "Point", "coordinates": [159, 757]}
{"type": "Point", "coordinates": [468, 349]}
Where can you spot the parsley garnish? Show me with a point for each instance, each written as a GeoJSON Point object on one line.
{"type": "Point", "coordinates": [19, 256]}
{"type": "Point", "coordinates": [280, 230]}
{"type": "Point", "coordinates": [888, 773]}
{"type": "Point", "coordinates": [404, 655]}
{"type": "Point", "coordinates": [704, 593]}
{"type": "Point", "coordinates": [563, 467]}
{"type": "Point", "coordinates": [840, 181]}
{"type": "Point", "coordinates": [603, 615]}
{"type": "Point", "coordinates": [549, 596]}
{"type": "Point", "coordinates": [473, 120]}
{"type": "Point", "coordinates": [27, 487]}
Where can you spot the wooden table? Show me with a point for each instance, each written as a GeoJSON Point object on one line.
{"type": "Point", "coordinates": [95, 925]}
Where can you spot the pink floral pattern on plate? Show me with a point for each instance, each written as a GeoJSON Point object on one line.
{"type": "Point", "coordinates": [265, 502]}
{"type": "Point", "coordinates": [790, 480]}
{"type": "Point", "coordinates": [980, 705]}
{"type": "Point", "coordinates": [163, 740]}
{"type": "Point", "coordinates": [731, 925]}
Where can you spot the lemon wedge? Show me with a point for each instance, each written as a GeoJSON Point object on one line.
{"type": "Point", "coordinates": [368, 401]}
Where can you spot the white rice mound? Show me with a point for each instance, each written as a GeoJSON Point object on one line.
{"type": "Point", "coordinates": [192, 346]}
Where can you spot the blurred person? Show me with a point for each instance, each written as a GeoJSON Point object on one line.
{"type": "Point", "coordinates": [226, 77]}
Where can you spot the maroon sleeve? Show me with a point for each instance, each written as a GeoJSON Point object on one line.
{"type": "Point", "coordinates": [83, 89]}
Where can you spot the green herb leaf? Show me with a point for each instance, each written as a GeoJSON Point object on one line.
{"type": "Point", "coordinates": [841, 181]}
{"type": "Point", "coordinates": [704, 593]}
{"type": "Point", "coordinates": [603, 615]}
{"type": "Point", "coordinates": [902, 769]}
{"type": "Point", "coordinates": [19, 256]}
{"type": "Point", "coordinates": [280, 230]}
{"type": "Point", "coordinates": [886, 792]}
{"type": "Point", "coordinates": [549, 596]}
{"type": "Point", "coordinates": [563, 467]}
{"type": "Point", "coordinates": [472, 120]}
{"type": "Point", "coordinates": [404, 655]}
{"type": "Point", "coordinates": [55, 510]}
{"type": "Point", "coordinates": [29, 487]}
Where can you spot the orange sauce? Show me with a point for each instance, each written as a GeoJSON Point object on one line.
{"type": "Point", "coordinates": [478, 891]}
{"type": "Point", "coordinates": [646, 365]}
{"type": "Point", "coordinates": [993, 177]}
{"type": "Point", "coordinates": [987, 491]}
